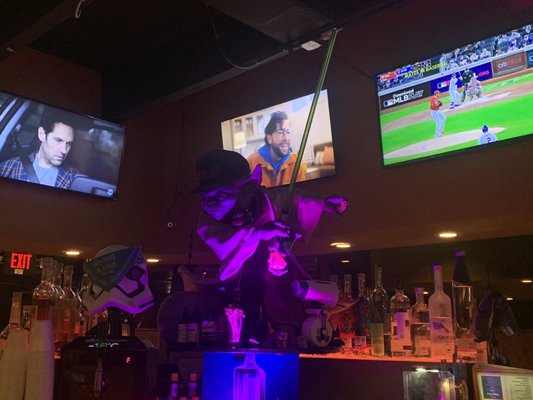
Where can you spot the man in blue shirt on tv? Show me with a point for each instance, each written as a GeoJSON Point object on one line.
{"type": "Point", "coordinates": [45, 166]}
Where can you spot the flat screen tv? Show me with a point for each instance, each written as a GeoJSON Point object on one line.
{"type": "Point", "coordinates": [50, 146]}
{"type": "Point", "coordinates": [269, 137]}
{"type": "Point", "coordinates": [474, 96]}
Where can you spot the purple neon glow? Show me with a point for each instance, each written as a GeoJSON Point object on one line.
{"type": "Point", "coordinates": [235, 318]}
{"type": "Point", "coordinates": [277, 264]}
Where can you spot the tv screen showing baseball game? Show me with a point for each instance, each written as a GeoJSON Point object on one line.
{"type": "Point", "coordinates": [46, 145]}
{"type": "Point", "coordinates": [476, 95]}
{"type": "Point", "coordinates": [272, 137]}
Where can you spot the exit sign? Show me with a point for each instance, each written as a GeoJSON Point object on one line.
{"type": "Point", "coordinates": [18, 263]}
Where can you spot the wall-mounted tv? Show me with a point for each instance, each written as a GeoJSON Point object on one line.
{"type": "Point", "coordinates": [50, 146]}
{"type": "Point", "coordinates": [272, 137]}
{"type": "Point", "coordinates": [471, 97]}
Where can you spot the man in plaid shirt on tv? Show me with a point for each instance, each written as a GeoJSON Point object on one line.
{"type": "Point", "coordinates": [46, 165]}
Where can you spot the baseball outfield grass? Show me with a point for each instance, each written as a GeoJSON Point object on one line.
{"type": "Point", "coordinates": [513, 114]}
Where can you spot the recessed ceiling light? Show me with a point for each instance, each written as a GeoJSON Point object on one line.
{"type": "Point", "coordinates": [426, 292]}
{"type": "Point", "coordinates": [509, 298]}
{"type": "Point", "coordinates": [72, 252]}
{"type": "Point", "coordinates": [311, 45]}
{"type": "Point", "coordinates": [152, 260]}
{"type": "Point", "coordinates": [526, 281]}
{"type": "Point", "coordinates": [447, 235]}
{"type": "Point", "coordinates": [345, 261]}
{"type": "Point", "coordinates": [341, 245]}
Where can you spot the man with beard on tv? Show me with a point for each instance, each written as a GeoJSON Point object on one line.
{"type": "Point", "coordinates": [46, 165]}
{"type": "Point", "coordinates": [275, 156]}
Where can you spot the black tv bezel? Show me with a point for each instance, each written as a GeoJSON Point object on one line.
{"type": "Point", "coordinates": [473, 149]}
{"type": "Point", "coordinates": [63, 190]}
{"type": "Point", "coordinates": [289, 99]}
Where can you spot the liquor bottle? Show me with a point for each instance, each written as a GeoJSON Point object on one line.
{"type": "Point", "coordinates": [249, 380]}
{"type": "Point", "coordinates": [380, 316]}
{"type": "Point", "coordinates": [420, 332]}
{"type": "Point", "coordinates": [83, 317]}
{"type": "Point", "coordinates": [193, 327]}
{"type": "Point", "coordinates": [193, 384]}
{"type": "Point", "coordinates": [14, 319]}
{"type": "Point", "coordinates": [208, 328]}
{"type": "Point", "coordinates": [347, 316]}
{"type": "Point", "coordinates": [71, 306]}
{"type": "Point", "coordinates": [44, 294]}
{"type": "Point", "coordinates": [362, 316]}
{"type": "Point", "coordinates": [400, 331]}
{"type": "Point", "coordinates": [174, 386]}
{"type": "Point", "coordinates": [182, 327]}
{"type": "Point", "coordinates": [58, 308]}
{"type": "Point", "coordinates": [440, 319]}
{"type": "Point", "coordinates": [463, 299]}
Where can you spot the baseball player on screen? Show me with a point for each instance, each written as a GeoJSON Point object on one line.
{"type": "Point", "coordinates": [487, 136]}
{"type": "Point", "coordinates": [438, 116]}
{"type": "Point", "coordinates": [454, 93]}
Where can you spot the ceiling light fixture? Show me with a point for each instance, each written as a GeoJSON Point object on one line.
{"type": "Point", "coordinates": [152, 260]}
{"type": "Point", "coordinates": [72, 252]}
{"type": "Point", "coordinates": [310, 45]}
{"type": "Point", "coordinates": [448, 235]}
{"type": "Point", "coordinates": [526, 281]}
{"type": "Point", "coordinates": [509, 298]}
{"type": "Point", "coordinates": [345, 261]}
{"type": "Point", "coordinates": [341, 245]}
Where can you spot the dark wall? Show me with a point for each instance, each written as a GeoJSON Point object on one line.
{"type": "Point", "coordinates": [482, 194]}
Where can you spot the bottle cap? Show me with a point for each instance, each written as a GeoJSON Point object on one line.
{"type": "Point", "coordinates": [174, 377]}
{"type": "Point", "coordinates": [193, 377]}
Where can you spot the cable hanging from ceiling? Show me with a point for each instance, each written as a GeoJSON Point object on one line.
{"type": "Point", "coordinates": [254, 64]}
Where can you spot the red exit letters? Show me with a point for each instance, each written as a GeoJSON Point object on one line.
{"type": "Point", "coordinates": [20, 261]}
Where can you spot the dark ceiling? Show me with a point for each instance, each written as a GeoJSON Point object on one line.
{"type": "Point", "coordinates": [146, 50]}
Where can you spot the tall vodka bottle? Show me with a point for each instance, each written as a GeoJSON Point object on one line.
{"type": "Point", "coordinates": [400, 332]}
{"type": "Point", "coordinates": [440, 318]}
{"type": "Point", "coordinates": [380, 316]}
{"type": "Point", "coordinates": [463, 299]}
{"type": "Point", "coordinates": [249, 380]}
{"type": "Point", "coordinates": [362, 315]}
{"type": "Point", "coordinates": [420, 333]}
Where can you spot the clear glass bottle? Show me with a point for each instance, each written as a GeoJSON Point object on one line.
{"type": "Point", "coordinates": [44, 294]}
{"type": "Point", "coordinates": [83, 316]}
{"type": "Point", "coordinates": [14, 319]}
{"type": "Point", "coordinates": [440, 317]}
{"type": "Point", "coordinates": [347, 316]}
{"type": "Point", "coordinates": [249, 380]}
{"type": "Point", "coordinates": [57, 310]}
{"type": "Point", "coordinates": [380, 315]}
{"type": "Point", "coordinates": [71, 306]}
{"type": "Point", "coordinates": [362, 316]}
{"type": "Point", "coordinates": [463, 298]}
{"type": "Point", "coordinates": [400, 306]}
{"type": "Point", "coordinates": [420, 333]}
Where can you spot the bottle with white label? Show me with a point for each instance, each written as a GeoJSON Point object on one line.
{"type": "Point", "coordinates": [400, 330]}
{"type": "Point", "coordinates": [440, 319]}
{"type": "Point", "coordinates": [420, 333]}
